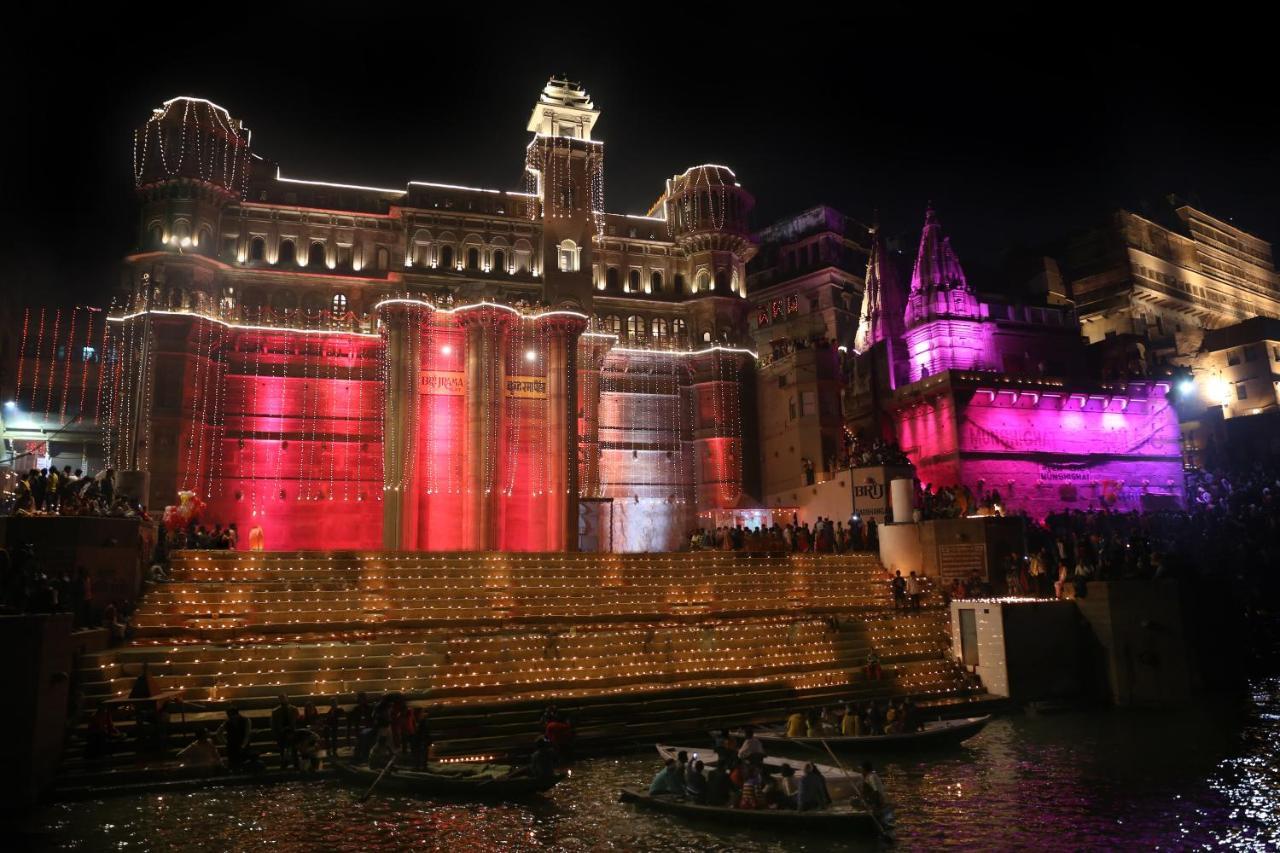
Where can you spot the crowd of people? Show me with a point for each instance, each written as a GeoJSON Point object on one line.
{"type": "Point", "coordinates": [48, 491]}
{"type": "Point", "coordinates": [26, 586]}
{"type": "Point", "coordinates": [826, 536]}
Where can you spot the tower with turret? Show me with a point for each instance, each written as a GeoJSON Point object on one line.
{"type": "Point", "coordinates": [564, 168]}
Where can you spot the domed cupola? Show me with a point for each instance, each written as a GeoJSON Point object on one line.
{"type": "Point", "coordinates": [195, 140]}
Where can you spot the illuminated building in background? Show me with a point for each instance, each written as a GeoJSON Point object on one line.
{"type": "Point", "coordinates": [999, 397]}
{"type": "Point", "coordinates": [1161, 278]}
{"type": "Point", "coordinates": [435, 366]}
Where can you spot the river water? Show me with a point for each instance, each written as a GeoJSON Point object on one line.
{"type": "Point", "coordinates": [1086, 780]}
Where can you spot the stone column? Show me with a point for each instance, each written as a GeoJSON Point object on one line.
{"type": "Point", "coordinates": [395, 428]}
{"type": "Point", "coordinates": [484, 373]}
{"type": "Point", "coordinates": [590, 362]}
{"type": "Point", "coordinates": [562, 431]}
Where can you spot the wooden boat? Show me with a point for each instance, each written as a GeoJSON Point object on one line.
{"type": "Point", "coordinates": [472, 781]}
{"type": "Point", "coordinates": [837, 818]}
{"type": "Point", "coordinates": [937, 733]}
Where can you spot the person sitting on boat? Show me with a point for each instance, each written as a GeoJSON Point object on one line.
{"type": "Point", "coordinates": [542, 765]}
{"type": "Point", "coordinates": [812, 793]}
{"type": "Point", "coordinates": [872, 788]}
{"type": "Point", "coordinates": [827, 722]}
{"type": "Point", "coordinates": [420, 742]}
{"type": "Point", "coordinates": [726, 748]}
{"type": "Point", "coordinates": [892, 724]}
{"type": "Point", "coordinates": [695, 784]}
{"type": "Point", "coordinates": [752, 750]}
{"type": "Point", "coordinates": [752, 794]}
{"type": "Point", "coordinates": [797, 725]}
{"type": "Point", "coordinates": [782, 788]}
{"type": "Point", "coordinates": [306, 744]}
{"type": "Point", "coordinates": [560, 732]}
{"type": "Point", "coordinates": [851, 725]}
{"type": "Point", "coordinates": [910, 716]}
{"type": "Point", "coordinates": [719, 788]}
{"type": "Point", "coordinates": [667, 781]}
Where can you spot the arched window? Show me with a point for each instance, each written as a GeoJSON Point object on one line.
{"type": "Point", "coordinates": [567, 256]}
{"type": "Point", "coordinates": [499, 261]}
{"type": "Point", "coordinates": [339, 304]}
{"type": "Point", "coordinates": [613, 324]}
{"type": "Point", "coordinates": [722, 281]}
{"type": "Point", "coordinates": [703, 282]}
{"type": "Point", "coordinates": [735, 285]}
{"type": "Point", "coordinates": [446, 257]}
{"type": "Point", "coordinates": [204, 240]}
{"type": "Point", "coordinates": [382, 259]}
{"type": "Point", "coordinates": [677, 330]}
{"type": "Point", "coordinates": [257, 249]}
{"type": "Point", "coordinates": [611, 278]}
{"type": "Point", "coordinates": [633, 282]}
{"type": "Point", "coordinates": [315, 258]}
{"type": "Point", "coordinates": [473, 258]}
{"type": "Point", "coordinates": [659, 328]}
{"type": "Point", "coordinates": [286, 253]}
{"type": "Point", "coordinates": [635, 327]}
{"type": "Point", "coordinates": [706, 336]}
{"type": "Point", "coordinates": [679, 282]}
{"type": "Point", "coordinates": [655, 282]}
{"type": "Point", "coordinates": [155, 236]}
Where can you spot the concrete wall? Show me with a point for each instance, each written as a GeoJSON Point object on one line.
{"type": "Point", "coordinates": [1027, 650]}
{"type": "Point", "coordinates": [900, 548]}
{"type": "Point", "coordinates": [37, 677]}
{"type": "Point", "coordinates": [1140, 641]}
{"type": "Point", "coordinates": [951, 547]}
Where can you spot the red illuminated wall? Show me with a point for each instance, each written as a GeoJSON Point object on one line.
{"type": "Point", "coordinates": [300, 449]}
{"type": "Point", "coordinates": [440, 439]}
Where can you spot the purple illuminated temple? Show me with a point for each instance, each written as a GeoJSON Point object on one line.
{"type": "Point", "coordinates": [995, 396]}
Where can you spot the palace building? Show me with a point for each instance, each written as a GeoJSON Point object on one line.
{"type": "Point", "coordinates": [432, 367]}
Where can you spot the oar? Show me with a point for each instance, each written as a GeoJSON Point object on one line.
{"type": "Point", "coordinates": [379, 779]}
{"type": "Point", "coordinates": [857, 789]}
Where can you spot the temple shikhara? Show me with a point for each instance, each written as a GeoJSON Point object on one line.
{"type": "Point", "coordinates": [440, 367]}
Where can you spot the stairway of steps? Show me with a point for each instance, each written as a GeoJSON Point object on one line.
{"type": "Point", "coordinates": [637, 646]}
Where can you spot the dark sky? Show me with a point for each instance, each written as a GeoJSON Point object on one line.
{"type": "Point", "coordinates": [1018, 132]}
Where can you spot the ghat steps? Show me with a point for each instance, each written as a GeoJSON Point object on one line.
{"type": "Point", "coordinates": [638, 645]}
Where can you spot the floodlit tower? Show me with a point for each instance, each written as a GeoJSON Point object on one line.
{"type": "Point", "coordinates": [564, 167]}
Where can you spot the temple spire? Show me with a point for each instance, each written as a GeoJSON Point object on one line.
{"type": "Point", "coordinates": [881, 297]}
{"type": "Point", "coordinates": [937, 267]}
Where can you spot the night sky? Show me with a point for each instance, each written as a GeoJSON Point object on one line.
{"type": "Point", "coordinates": [1018, 132]}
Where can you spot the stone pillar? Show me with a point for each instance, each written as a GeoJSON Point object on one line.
{"type": "Point", "coordinates": [485, 342]}
{"type": "Point", "coordinates": [590, 361]}
{"type": "Point", "coordinates": [394, 430]}
{"type": "Point", "coordinates": [562, 431]}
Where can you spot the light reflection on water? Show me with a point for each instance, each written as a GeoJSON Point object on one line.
{"type": "Point", "coordinates": [1153, 780]}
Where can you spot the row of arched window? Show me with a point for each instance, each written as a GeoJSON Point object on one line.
{"type": "Point", "coordinates": [638, 328]}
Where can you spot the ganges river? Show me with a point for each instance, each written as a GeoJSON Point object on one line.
{"type": "Point", "coordinates": [1089, 780]}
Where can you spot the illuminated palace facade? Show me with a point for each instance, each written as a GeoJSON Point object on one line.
{"type": "Point", "coordinates": [434, 367]}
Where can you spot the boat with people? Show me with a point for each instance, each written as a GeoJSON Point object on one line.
{"type": "Point", "coordinates": [835, 818]}
{"type": "Point", "coordinates": [845, 812]}
{"type": "Point", "coordinates": [930, 735]}
{"type": "Point", "coordinates": [481, 781]}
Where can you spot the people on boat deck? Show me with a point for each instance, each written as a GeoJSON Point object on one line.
{"type": "Point", "coordinates": [872, 788]}
{"type": "Point", "coordinates": [752, 795]}
{"type": "Point", "coordinates": [359, 718]}
{"type": "Point", "coordinates": [851, 725]}
{"type": "Point", "coordinates": [726, 748]}
{"type": "Point", "coordinates": [719, 788]}
{"type": "Point", "coordinates": [420, 742]}
{"type": "Point", "coordinates": [306, 744]}
{"type": "Point", "coordinates": [331, 724]}
{"type": "Point", "coordinates": [668, 780]}
{"type": "Point", "coordinates": [797, 725]}
{"type": "Point", "coordinates": [542, 764]}
{"type": "Point", "coordinates": [812, 792]}
{"type": "Point", "coordinates": [559, 730]}
{"type": "Point", "coordinates": [695, 784]}
{"type": "Point", "coordinates": [752, 750]}
{"type": "Point", "coordinates": [782, 790]}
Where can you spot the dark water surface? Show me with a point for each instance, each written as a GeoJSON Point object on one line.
{"type": "Point", "coordinates": [1208, 778]}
